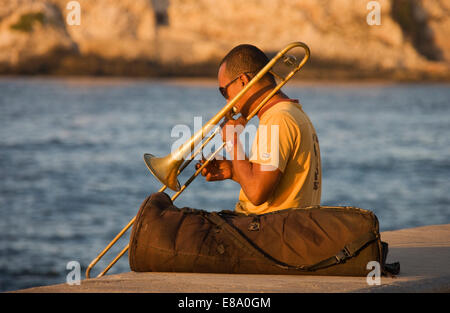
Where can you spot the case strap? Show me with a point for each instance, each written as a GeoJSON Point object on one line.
{"type": "Point", "coordinates": [240, 240]}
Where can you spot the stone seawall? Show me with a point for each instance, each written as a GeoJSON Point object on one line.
{"type": "Point", "coordinates": [423, 253]}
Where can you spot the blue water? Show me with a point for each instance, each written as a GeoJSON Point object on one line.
{"type": "Point", "coordinates": [72, 173]}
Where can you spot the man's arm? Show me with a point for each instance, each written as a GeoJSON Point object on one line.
{"type": "Point", "coordinates": [257, 181]}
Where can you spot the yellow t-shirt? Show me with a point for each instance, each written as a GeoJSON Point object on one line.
{"type": "Point", "coordinates": [287, 140]}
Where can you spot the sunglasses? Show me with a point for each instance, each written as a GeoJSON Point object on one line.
{"type": "Point", "coordinates": [224, 90]}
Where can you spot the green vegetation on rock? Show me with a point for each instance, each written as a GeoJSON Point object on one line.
{"type": "Point", "coordinates": [25, 24]}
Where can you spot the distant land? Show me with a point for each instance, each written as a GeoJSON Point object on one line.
{"type": "Point", "coordinates": [187, 38]}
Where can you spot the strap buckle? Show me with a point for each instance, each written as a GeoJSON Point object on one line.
{"type": "Point", "coordinates": [343, 255]}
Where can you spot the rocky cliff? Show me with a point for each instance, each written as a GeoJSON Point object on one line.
{"type": "Point", "coordinates": [189, 37]}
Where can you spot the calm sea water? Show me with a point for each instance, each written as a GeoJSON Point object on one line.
{"type": "Point", "coordinates": [72, 173]}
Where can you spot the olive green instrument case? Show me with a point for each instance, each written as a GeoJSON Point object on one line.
{"type": "Point", "coordinates": [318, 240]}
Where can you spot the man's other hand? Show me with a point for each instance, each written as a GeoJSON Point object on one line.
{"type": "Point", "coordinates": [233, 127]}
{"type": "Point", "coordinates": [216, 169]}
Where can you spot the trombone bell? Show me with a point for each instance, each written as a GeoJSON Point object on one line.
{"type": "Point", "coordinates": [164, 169]}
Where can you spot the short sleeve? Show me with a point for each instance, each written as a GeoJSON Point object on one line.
{"type": "Point", "coordinates": [274, 141]}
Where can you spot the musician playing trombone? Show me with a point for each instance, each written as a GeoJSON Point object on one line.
{"type": "Point", "coordinates": [284, 168]}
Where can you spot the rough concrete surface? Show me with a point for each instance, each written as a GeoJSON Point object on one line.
{"type": "Point", "coordinates": [423, 252]}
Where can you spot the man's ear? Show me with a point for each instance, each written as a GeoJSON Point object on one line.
{"type": "Point", "coordinates": [244, 79]}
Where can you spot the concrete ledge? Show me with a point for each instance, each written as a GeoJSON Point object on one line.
{"type": "Point", "coordinates": [423, 253]}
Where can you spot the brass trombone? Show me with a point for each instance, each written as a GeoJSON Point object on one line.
{"type": "Point", "coordinates": [166, 169]}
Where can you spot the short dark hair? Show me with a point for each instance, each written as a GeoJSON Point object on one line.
{"type": "Point", "coordinates": [245, 58]}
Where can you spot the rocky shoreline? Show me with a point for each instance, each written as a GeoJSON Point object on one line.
{"type": "Point", "coordinates": [95, 66]}
{"type": "Point", "coordinates": [174, 38]}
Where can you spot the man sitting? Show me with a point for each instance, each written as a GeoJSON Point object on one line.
{"type": "Point", "coordinates": [284, 167]}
